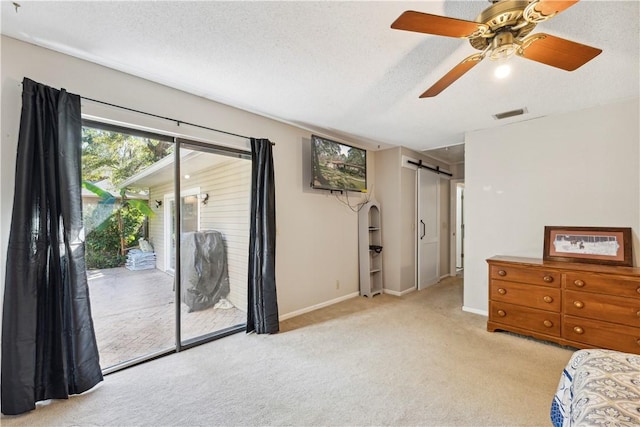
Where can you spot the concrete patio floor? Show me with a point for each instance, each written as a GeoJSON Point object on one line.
{"type": "Point", "coordinates": [134, 314]}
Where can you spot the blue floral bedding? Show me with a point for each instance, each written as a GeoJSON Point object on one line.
{"type": "Point", "coordinates": [598, 388]}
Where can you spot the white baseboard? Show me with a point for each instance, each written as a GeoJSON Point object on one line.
{"type": "Point", "coordinates": [475, 311]}
{"type": "Point", "coordinates": [317, 306]}
{"type": "Point", "coordinates": [398, 294]}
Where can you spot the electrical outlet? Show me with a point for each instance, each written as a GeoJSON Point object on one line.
{"type": "Point", "coordinates": [337, 284]}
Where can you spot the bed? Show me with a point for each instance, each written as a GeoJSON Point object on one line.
{"type": "Point", "coordinates": [598, 388]}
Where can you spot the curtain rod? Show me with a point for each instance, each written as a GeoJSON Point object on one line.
{"type": "Point", "coordinates": [178, 122]}
{"type": "Point", "coordinates": [436, 169]}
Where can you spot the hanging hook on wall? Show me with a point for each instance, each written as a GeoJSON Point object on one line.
{"type": "Point", "coordinates": [204, 197]}
{"type": "Point", "coordinates": [158, 203]}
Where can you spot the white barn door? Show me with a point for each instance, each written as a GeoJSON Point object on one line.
{"type": "Point", "coordinates": [428, 228]}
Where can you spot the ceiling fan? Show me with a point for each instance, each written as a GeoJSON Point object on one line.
{"type": "Point", "coordinates": [501, 31]}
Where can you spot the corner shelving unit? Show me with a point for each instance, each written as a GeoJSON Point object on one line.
{"type": "Point", "coordinates": [370, 249]}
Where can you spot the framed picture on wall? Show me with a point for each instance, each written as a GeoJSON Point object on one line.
{"type": "Point", "coordinates": [597, 245]}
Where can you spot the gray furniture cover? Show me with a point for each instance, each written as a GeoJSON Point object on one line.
{"type": "Point", "coordinates": [203, 264]}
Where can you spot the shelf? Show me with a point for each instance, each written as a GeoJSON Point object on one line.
{"type": "Point", "coordinates": [370, 259]}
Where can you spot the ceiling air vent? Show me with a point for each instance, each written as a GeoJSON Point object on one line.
{"type": "Point", "coordinates": [512, 113]}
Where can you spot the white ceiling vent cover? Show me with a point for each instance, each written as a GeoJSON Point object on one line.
{"type": "Point", "coordinates": [512, 113]}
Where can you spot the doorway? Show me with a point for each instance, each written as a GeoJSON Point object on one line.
{"type": "Point", "coordinates": [457, 227]}
{"type": "Point", "coordinates": [189, 222]}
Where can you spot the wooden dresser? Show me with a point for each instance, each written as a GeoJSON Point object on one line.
{"type": "Point", "coordinates": [579, 305]}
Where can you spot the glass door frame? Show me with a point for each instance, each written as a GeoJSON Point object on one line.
{"type": "Point", "coordinates": [178, 143]}
{"type": "Point", "coordinates": [213, 149]}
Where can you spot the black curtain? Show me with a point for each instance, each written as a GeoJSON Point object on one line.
{"type": "Point", "coordinates": [49, 348]}
{"type": "Point", "coordinates": [262, 313]}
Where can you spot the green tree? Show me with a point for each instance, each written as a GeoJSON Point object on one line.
{"type": "Point", "coordinates": [356, 157]}
{"type": "Point", "coordinates": [323, 150]}
{"type": "Point", "coordinates": [114, 157]}
{"type": "Point", "coordinates": [104, 243]}
{"type": "Point", "coordinates": [134, 209]}
{"type": "Point", "coordinates": [117, 156]}
{"type": "Point", "coordinates": [328, 150]}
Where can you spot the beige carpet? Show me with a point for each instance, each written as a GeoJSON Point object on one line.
{"type": "Point", "coordinates": [416, 360]}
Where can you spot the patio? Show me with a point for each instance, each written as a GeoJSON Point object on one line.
{"type": "Point", "coordinates": [134, 314]}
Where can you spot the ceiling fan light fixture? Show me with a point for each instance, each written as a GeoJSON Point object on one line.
{"type": "Point", "coordinates": [503, 46]}
{"type": "Point", "coordinates": [502, 71]}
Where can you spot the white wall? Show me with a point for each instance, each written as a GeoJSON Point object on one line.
{"type": "Point", "coordinates": [387, 183]}
{"type": "Point", "coordinates": [575, 169]}
{"type": "Point", "coordinates": [317, 237]}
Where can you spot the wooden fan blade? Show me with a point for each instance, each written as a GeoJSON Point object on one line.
{"type": "Point", "coordinates": [434, 24]}
{"type": "Point", "coordinates": [551, 7]}
{"type": "Point", "coordinates": [557, 52]}
{"type": "Point", "coordinates": [453, 75]}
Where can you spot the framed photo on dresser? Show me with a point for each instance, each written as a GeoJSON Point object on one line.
{"type": "Point", "coordinates": [597, 245]}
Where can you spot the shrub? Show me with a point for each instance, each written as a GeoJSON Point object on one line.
{"type": "Point", "coordinates": [103, 245]}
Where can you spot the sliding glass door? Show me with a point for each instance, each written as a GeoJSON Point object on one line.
{"type": "Point", "coordinates": [130, 296]}
{"type": "Point", "coordinates": [143, 245]}
{"type": "Point", "coordinates": [214, 239]}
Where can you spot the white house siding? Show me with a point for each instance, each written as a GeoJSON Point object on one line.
{"type": "Point", "coordinates": [228, 185]}
{"type": "Point", "coordinates": [156, 224]}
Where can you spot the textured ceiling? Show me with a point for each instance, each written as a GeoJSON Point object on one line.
{"type": "Point", "coordinates": [337, 66]}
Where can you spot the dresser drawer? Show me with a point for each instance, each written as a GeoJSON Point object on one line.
{"type": "Point", "coordinates": [601, 334]}
{"type": "Point", "coordinates": [534, 276]}
{"type": "Point", "coordinates": [602, 284]}
{"type": "Point", "coordinates": [609, 308]}
{"type": "Point", "coordinates": [525, 317]}
{"type": "Point", "coordinates": [542, 297]}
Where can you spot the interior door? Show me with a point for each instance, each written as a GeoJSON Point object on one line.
{"type": "Point", "coordinates": [428, 247]}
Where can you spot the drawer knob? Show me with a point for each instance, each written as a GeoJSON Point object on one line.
{"type": "Point", "coordinates": [502, 291]}
{"type": "Point", "coordinates": [548, 278]}
{"type": "Point", "coordinates": [638, 290]}
{"type": "Point", "coordinates": [547, 299]}
{"type": "Point", "coordinates": [579, 283]}
{"type": "Point", "coordinates": [638, 342]}
{"type": "Point", "coordinates": [501, 313]}
{"type": "Point", "coordinates": [578, 304]}
{"type": "Point", "coordinates": [548, 323]}
{"type": "Point", "coordinates": [578, 330]}
{"type": "Point", "coordinates": [638, 313]}
{"type": "Point", "coordinates": [504, 273]}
